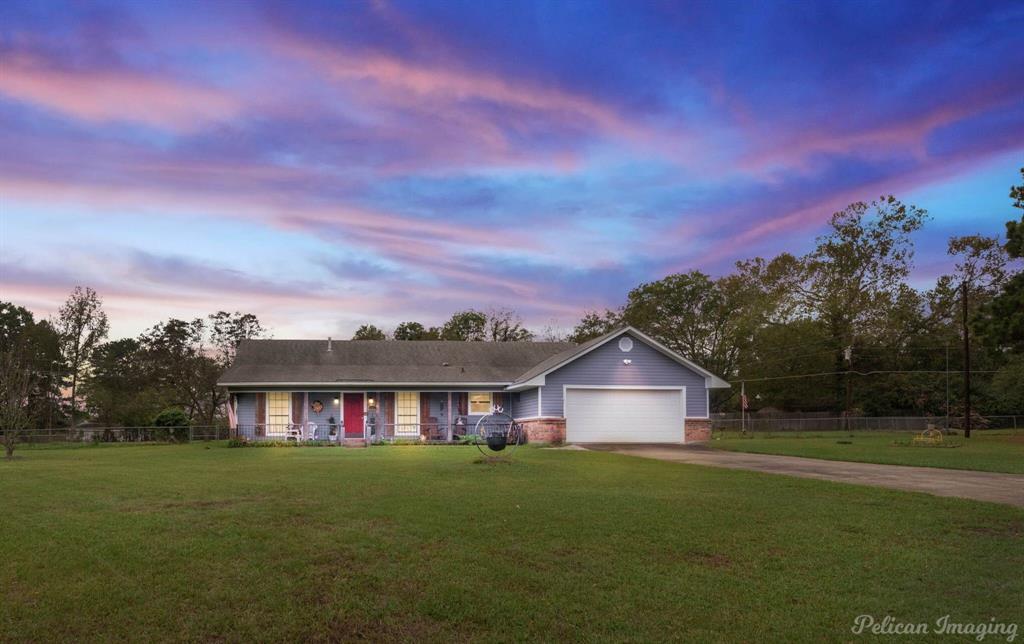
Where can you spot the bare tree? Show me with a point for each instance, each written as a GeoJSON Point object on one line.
{"type": "Point", "coordinates": [227, 330]}
{"type": "Point", "coordinates": [17, 379]}
{"type": "Point", "coordinates": [82, 325]}
{"type": "Point", "coordinates": [505, 325]}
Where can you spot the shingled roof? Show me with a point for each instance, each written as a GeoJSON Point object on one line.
{"type": "Point", "coordinates": [309, 362]}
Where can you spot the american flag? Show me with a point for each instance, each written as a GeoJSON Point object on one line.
{"type": "Point", "coordinates": [743, 402]}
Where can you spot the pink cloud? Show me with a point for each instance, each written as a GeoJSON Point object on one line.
{"type": "Point", "coordinates": [816, 214]}
{"type": "Point", "coordinates": [793, 149]}
{"type": "Point", "coordinates": [113, 95]}
{"type": "Point", "coordinates": [448, 84]}
{"type": "Point", "coordinates": [437, 250]}
{"type": "Point", "coordinates": [451, 95]}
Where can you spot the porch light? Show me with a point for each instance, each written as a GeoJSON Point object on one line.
{"type": "Point", "coordinates": [370, 402]}
{"type": "Point", "coordinates": [336, 401]}
{"type": "Point", "coordinates": [627, 361]}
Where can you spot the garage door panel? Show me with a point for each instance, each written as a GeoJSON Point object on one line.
{"type": "Point", "coordinates": [624, 415]}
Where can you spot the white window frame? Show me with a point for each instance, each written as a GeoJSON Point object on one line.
{"type": "Point", "coordinates": [469, 402]}
{"type": "Point", "coordinates": [401, 429]}
{"type": "Point", "coordinates": [277, 429]}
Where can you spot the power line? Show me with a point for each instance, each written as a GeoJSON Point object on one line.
{"type": "Point", "coordinates": [856, 373]}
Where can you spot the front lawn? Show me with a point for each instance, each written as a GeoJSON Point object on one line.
{"type": "Point", "coordinates": [989, 451]}
{"type": "Point", "coordinates": [202, 542]}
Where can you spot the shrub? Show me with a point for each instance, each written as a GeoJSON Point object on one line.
{"type": "Point", "coordinates": [243, 442]}
{"type": "Point", "coordinates": [176, 423]}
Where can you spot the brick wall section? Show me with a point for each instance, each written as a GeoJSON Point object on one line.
{"type": "Point", "coordinates": [698, 430]}
{"type": "Point", "coordinates": [544, 430]}
{"type": "Point", "coordinates": [552, 430]}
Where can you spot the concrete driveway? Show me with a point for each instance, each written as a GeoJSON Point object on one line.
{"type": "Point", "coordinates": [980, 486]}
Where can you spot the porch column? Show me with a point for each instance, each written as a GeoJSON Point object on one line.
{"type": "Point", "coordinates": [449, 408]}
{"type": "Point", "coordinates": [305, 411]}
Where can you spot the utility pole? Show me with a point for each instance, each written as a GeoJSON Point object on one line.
{"type": "Point", "coordinates": [947, 385]}
{"type": "Point", "coordinates": [743, 407]}
{"type": "Point", "coordinates": [848, 356]}
{"type": "Point", "coordinates": [967, 367]}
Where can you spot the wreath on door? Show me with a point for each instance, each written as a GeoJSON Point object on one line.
{"type": "Point", "coordinates": [317, 406]}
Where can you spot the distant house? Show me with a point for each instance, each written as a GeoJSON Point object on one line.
{"type": "Point", "coordinates": [621, 387]}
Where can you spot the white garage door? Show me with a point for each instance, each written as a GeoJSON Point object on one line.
{"type": "Point", "coordinates": [623, 415]}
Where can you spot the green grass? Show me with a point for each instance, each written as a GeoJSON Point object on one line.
{"type": "Point", "coordinates": [989, 451]}
{"type": "Point", "coordinates": [200, 542]}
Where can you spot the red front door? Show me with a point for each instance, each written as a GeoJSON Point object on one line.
{"type": "Point", "coordinates": [353, 415]}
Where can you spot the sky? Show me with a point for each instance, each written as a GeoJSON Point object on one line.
{"type": "Point", "coordinates": [329, 164]}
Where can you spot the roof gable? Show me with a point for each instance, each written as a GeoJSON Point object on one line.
{"type": "Point", "coordinates": [535, 375]}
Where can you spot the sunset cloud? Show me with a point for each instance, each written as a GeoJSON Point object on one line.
{"type": "Point", "coordinates": [110, 95]}
{"type": "Point", "coordinates": [329, 165]}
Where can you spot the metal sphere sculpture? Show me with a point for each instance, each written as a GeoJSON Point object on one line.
{"type": "Point", "coordinates": [496, 432]}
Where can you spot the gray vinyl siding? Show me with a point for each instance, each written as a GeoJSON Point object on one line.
{"type": "Point", "coordinates": [246, 409]}
{"type": "Point", "coordinates": [524, 403]}
{"type": "Point", "coordinates": [438, 406]}
{"type": "Point", "coordinates": [331, 409]}
{"type": "Point", "coordinates": [324, 391]}
{"type": "Point", "coordinates": [603, 366]}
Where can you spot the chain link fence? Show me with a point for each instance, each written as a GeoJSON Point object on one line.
{"type": "Point", "coordinates": [86, 434]}
{"type": "Point", "coordinates": [812, 422]}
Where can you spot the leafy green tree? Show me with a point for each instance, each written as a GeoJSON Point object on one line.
{"type": "Point", "coordinates": [369, 332]}
{"type": "Point", "coordinates": [695, 316]}
{"type": "Point", "coordinates": [175, 421]}
{"type": "Point", "coordinates": [17, 380]}
{"type": "Point", "coordinates": [851, 278]}
{"type": "Point", "coordinates": [414, 331]}
{"type": "Point", "coordinates": [981, 262]}
{"type": "Point", "coordinates": [82, 325]}
{"type": "Point", "coordinates": [14, 320]}
{"type": "Point", "coordinates": [466, 326]}
{"type": "Point", "coordinates": [1017, 194]}
{"type": "Point", "coordinates": [793, 347]}
{"type": "Point", "coordinates": [39, 346]}
{"type": "Point", "coordinates": [122, 388]}
{"type": "Point", "coordinates": [183, 369]}
{"type": "Point", "coordinates": [1001, 321]}
{"type": "Point", "coordinates": [594, 325]}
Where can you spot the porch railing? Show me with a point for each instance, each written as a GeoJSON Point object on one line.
{"type": "Point", "coordinates": [372, 431]}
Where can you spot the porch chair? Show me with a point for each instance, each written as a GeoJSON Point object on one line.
{"type": "Point", "coordinates": [293, 431]}
{"type": "Point", "coordinates": [311, 431]}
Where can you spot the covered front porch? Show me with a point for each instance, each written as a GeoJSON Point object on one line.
{"type": "Point", "coordinates": [365, 416]}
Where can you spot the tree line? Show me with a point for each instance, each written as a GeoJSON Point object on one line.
{"type": "Point", "coordinates": [494, 325]}
{"type": "Point", "coordinates": [839, 329]}
{"type": "Point", "coordinates": [836, 329]}
{"type": "Point", "coordinates": [56, 372]}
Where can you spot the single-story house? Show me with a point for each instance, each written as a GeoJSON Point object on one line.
{"type": "Point", "coordinates": [620, 387]}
